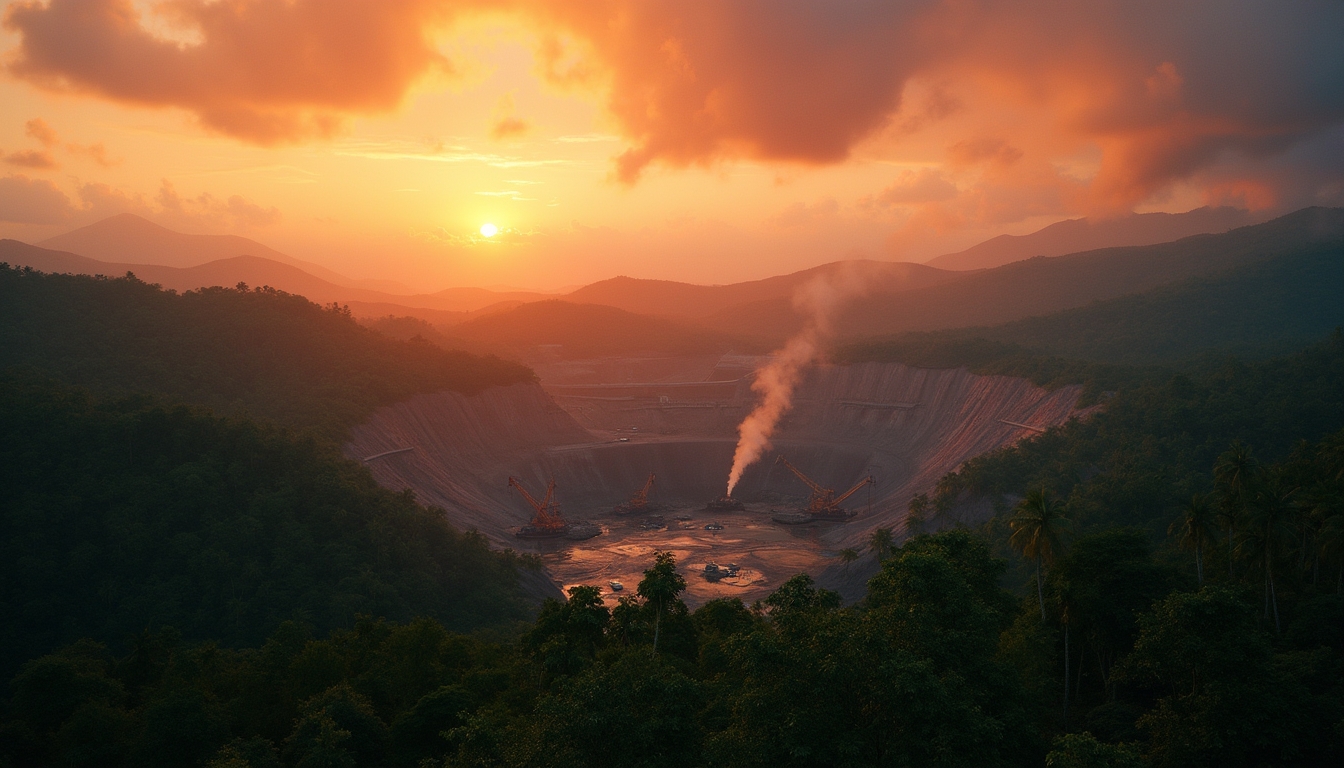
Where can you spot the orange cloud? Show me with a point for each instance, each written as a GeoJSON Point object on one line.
{"type": "Point", "coordinates": [32, 201]}
{"type": "Point", "coordinates": [207, 209]}
{"type": "Point", "coordinates": [1161, 92]}
{"type": "Point", "coordinates": [692, 82]}
{"type": "Point", "coordinates": [506, 124]}
{"type": "Point", "coordinates": [923, 186]}
{"type": "Point", "coordinates": [38, 128]}
{"type": "Point", "coordinates": [263, 71]}
{"type": "Point", "coordinates": [31, 158]}
{"type": "Point", "coordinates": [95, 152]}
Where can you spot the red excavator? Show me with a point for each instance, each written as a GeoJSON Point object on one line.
{"type": "Point", "coordinates": [824, 504]}
{"type": "Point", "coordinates": [547, 522]}
{"type": "Point", "coordinates": [637, 503]}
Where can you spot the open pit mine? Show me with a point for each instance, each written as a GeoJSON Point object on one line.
{"type": "Point", "coordinates": [632, 455]}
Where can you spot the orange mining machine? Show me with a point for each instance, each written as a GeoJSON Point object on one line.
{"type": "Point", "coordinates": [637, 503]}
{"type": "Point", "coordinates": [546, 522]}
{"type": "Point", "coordinates": [824, 504]}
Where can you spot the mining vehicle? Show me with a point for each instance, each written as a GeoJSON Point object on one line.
{"type": "Point", "coordinates": [725, 504]}
{"type": "Point", "coordinates": [582, 530]}
{"type": "Point", "coordinates": [546, 522]}
{"type": "Point", "coordinates": [637, 503]}
{"type": "Point", "coordinates": [790, 517]}
{"type": "Point", "coordinates": [824, 504]}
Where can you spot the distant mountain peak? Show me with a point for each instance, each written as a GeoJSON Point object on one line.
{"type": "Point", "coordinates": [1078, 235]}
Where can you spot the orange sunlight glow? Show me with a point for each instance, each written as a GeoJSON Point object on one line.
{"type": "Point", "coordinates": [699, 141]}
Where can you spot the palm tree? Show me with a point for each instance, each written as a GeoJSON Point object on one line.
{"type": "Point", "coordinates": [1065, 602]}
{"type": "Point", "coordinates": [1235, 472]}
{"type": "Point", "coordinates": [847, 556]}
{"type": "Point", "coordinates": [661, 586]}
{"type": "Point", "coordinates": [881, 541]}
{"type": "Point", "coordinates": [1194, 528]}
{"type": "Point", "coordinates": [917, 515]}
{"type": "Point", "coordinates": [1039, 527]}
{"type": "Point", "coordinates": [1268, 528]}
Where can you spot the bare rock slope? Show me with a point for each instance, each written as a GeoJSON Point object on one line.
{"type": "Point", "coordinates": [906, 426]}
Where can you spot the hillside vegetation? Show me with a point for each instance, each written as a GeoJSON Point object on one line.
{"type": "Point", "coordinates": [937, 665]}
{"type": "Point", "coordinates": [258, 351]}
{"type": "Point", "coordinates": [1041, 286]}
{"type": "Point", "coordinates": [1151, 447]}
{"type": "Point", "coordinates": [123, 515]}
{"type": "Point", "coordinates": [1077, 235]}
{"type": "Point", "coordinates": [1286, 303]}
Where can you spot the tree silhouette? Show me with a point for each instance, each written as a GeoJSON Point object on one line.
{"type": "Point", "coordinates": [1235, 473]}
{"type": "Point", "coordinates": [917, 515]}
{"type": "Point", "coordinates": [847, 556]}
{"type": "Point", "coordinates": [1194, 528]}
{"type": "Point", "coordinates": [1267, 533]}
{"type": "Point", "coordinates": [880, 541]}
{"type": "Point", "coordinates": [1039, 527]}
{"type": "Point", "coordinates": [661, 586]}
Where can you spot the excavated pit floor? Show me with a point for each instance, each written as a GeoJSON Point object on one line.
{"type": "Point", "coordinates": [600, 427]}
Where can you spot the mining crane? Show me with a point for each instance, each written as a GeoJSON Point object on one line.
{"type": "Point", "coordinates": [547, 522]}
{"type": "Point", "coordinates": [637, 503]}
{"type": "Point", "coordinates": [824, 504]}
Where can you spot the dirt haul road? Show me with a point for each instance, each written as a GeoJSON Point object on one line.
{"type": "Point", "coordinates": [600, 427]}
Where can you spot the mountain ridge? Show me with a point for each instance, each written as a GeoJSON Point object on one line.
{"type": "Point", "coordinates": [1078, 235]}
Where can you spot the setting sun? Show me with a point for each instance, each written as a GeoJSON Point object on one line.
{"type": "Point", "coordinates": [489, 230]}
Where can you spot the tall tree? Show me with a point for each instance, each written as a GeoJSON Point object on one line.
{"type": "Point", "coordinates": [1194, 528]}
{"type": "Point", "coordinates": [881, 540]}
{"type": "Point", "coordinates": [1039, 527]}
{"type": "Point", "coordinates": [917, 515]}
{"type": "Point", "coordinates": [1235, 473]}
{"type": "Point", "coordinates": [661, 587]}
{"type": "Point", "coordinates": [1267, 533]}
{"type": "Point", "coordinates": [848, 555]}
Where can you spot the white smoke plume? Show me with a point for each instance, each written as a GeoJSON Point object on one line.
{"type": "Point", "coordinates": [818, 299]}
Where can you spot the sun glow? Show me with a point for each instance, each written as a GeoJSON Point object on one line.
{"type": "Point", "coordinates": [489, 230]}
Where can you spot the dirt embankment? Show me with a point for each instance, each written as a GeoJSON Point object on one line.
{"type": "Point", "coordinates": [600, 440]}
{"type": "Point", "coordinates": [464, 448]}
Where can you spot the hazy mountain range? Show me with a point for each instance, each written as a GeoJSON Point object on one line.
{"type": "Point", "coordinates": [1077, 235]}
{"type": "Point", "coordinates": [614, 315]}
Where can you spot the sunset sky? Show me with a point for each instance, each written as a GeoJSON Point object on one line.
{"type": "Point", "coordinates": [703, 141]}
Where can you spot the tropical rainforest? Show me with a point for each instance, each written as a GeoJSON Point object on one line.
{"type": "Point", "coordinates": [192, 575]}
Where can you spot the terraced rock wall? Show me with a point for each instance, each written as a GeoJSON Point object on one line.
{"type": "Point", "coordinates": [906, 426]}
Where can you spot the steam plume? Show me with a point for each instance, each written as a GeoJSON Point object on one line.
{"type": "Point", "coordinates": [777, 380]}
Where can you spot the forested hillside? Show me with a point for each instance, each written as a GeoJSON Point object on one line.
{"type": "Point", "coordinates": [258, 351]}
{"type": "Point", "coordinates": [1256, 311]}
{"type": "Point", "coordinates": [936, 666]}
{"type": "Point", "coordinates": [1152, 446]}
{"type": "Point", "coordinates": [124, 515]}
